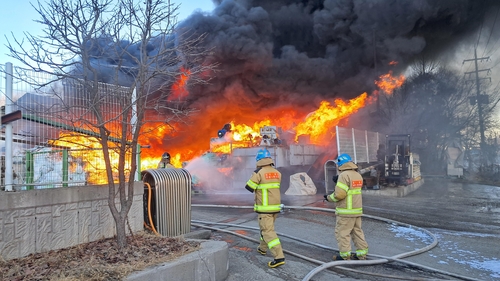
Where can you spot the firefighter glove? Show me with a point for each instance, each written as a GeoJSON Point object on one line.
{"type": "Point", "coordinates": [335, 179]}
{"type": "Point", "coordinates": [326, 198]}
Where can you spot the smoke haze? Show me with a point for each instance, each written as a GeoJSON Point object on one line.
{"type": "Point", "coordinates": [295, 51]}
{"type": "Point", "coordinates": [276, 56]}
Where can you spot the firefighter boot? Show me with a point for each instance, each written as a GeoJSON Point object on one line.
{"type": "Point", "coordinates": [338, 257]}
{"type": "Point", "coordinates": [276, 263]}
{"type": "Point", "coordinates": [355, 257]}
{"type": "Point", "coordinates": [261, 252]}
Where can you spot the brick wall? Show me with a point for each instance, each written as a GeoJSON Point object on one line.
{"type": "Point", "coordinates": [36, 221]}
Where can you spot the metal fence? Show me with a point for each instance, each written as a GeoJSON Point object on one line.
{"type": "Point", "coordinates": [360, 145]}
{"type": "Point", "coordinates": [50, 168]}
{"type": "Point", "coordinates": [62, 109]}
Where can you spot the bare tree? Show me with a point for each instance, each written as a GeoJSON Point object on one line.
{"type": "Point", "coordinates": [431, 106]}
{"type": "Point", "coordinates": [423, 65]}
{"type": "Point", "coordinates": [436, 106]}
{"type": "Point", "coordinates": [132, 44]}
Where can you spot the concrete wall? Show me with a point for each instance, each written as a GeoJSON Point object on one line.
{"type": "Point", "coordinates": [41, 220]}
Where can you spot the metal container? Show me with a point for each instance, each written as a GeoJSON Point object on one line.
{"type": "Point", "coordinates": [167, 201]}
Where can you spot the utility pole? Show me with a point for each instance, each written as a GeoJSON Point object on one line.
{"type": "Point", "coordinates": [9, 105]}
{"type": "Point", "coordinates": [480, 99]}
{"type": "Point", "coordinates": [375, 67]}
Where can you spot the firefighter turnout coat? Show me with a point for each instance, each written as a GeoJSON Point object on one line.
{"type": "Point", "coordinates": [265, 183]}
{"type": "Point", "coordinates": [349, 209]}
{"type": "Point", "coordinates": [165, 165]}
{"type": "Point", "coordinates": [347, 192]}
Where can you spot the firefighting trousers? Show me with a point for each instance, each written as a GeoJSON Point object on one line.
{"type": "Point", "coordinates": [268, 237]}
{"type": "Point", "coordinates": [347, 228]}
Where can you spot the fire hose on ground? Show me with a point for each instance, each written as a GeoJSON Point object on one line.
{"type": "Point", "coordinates": [322, 265]}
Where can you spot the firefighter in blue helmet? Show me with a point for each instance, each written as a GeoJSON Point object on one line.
{"type": "Point", "coordinates": [265, 183]}
{"type": "Point", "coordinates": [349, 209]}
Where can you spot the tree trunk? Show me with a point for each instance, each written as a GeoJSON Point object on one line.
{"type": "Point", "coordinates": [121, 235]}
{"type": "Point", "coordinates": [120, 218]}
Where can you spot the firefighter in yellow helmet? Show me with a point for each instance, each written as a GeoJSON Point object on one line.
{"type": "Point", "coordinates": [265, 182]}
{"type": "Point", "coordinates": [349, 210]}
{"type": "Point", "coordinates": [165, 161]}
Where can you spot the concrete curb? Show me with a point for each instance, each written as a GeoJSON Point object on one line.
{"type": "Point", "coordinates": [198, 234]}
{"type": "Point", "coordinates": [209, 263]}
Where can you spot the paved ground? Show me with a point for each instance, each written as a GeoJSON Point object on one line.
{"type": "Point", "coordinates": [465, 218]}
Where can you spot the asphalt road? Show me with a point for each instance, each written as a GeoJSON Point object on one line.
{"type": "Point", "coordinates": [443, 203]}
{"type": "Point", "coordinates": [463, 217]}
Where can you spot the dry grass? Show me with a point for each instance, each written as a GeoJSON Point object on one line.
{"type": "Point", "coordinates": [99, 260]}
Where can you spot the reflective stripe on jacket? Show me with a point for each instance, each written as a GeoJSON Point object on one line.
{"type": "Point", "coordinates": [348, 192]}
{"type": "Point", "coordinates": [265, 181]}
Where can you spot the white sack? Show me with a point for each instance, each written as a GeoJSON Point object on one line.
{"type": "Point", "coordinates": [301, 184]}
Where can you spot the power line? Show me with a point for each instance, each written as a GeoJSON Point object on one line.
{"type": "Point", "coordinates": [480, 99]}
{"type": "Point", "coordinates": [479, 35]}
{"type": "Point", "coordinates": [491, 32]}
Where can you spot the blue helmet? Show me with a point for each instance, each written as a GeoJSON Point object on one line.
{"type": "Point", "coordinates": [263, 153]}
{"type": "Point", "coordinates": [343, 158]}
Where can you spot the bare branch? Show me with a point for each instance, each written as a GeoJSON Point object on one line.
{"type": "Point", "coordinates": [112, 66]}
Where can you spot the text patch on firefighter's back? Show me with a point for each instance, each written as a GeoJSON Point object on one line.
{"type": "Point", "coordinates": [357, 184]}
{"type": "Point", "coordinates": [270, 176]}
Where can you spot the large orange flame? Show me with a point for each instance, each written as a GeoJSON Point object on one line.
{"type": "Point", "coordinates": [241, 135]}
{"type": "Point", "coordinates": [185, 143]}
{"type": "Point", "coordinates": [319, 122]}
{"type": "Point", "coordinates": [89, 154]}
{"type": "Point", "coordinates": [317, 125]}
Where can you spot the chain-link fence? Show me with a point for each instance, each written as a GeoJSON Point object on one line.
{"type": "Point", "coordinates": [54, 110]}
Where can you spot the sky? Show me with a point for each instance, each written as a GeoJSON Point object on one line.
{"type": "Point", "coordinates": [17, 17]}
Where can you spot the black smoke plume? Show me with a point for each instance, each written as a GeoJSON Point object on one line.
{"type": "Point", "coordinates": [292, 54]}
{"type": "Point", "coordinates": [297, 51]}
